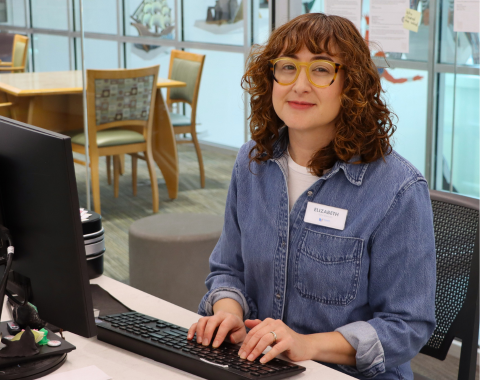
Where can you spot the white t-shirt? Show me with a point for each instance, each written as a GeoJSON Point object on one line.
{"type": "Point", "coordinates": [299, 180]}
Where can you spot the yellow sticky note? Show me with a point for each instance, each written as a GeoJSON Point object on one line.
{"type": "Point", "coordinates": [411, 20]}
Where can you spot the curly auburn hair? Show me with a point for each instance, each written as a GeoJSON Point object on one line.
{"type": "Point", "coordinates": [364, 124]}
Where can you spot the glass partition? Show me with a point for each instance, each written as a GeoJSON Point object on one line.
{"type": "Point", "coordinates": [458, 135]}
{"type": "Point", "coordinates": [46, 46]}
{"type": "Point", "coordinates": [50, 14]}
{"type": "Point", "coordinates": [406, 95]}
{"type": "Point", "coordinates": [12, 12]}
{"type": "Point", "coordinates": [99, 16]}
{"type": "Point", "coordinates": [467, 51]}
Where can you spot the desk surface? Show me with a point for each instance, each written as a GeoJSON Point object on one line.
{"type": "Point", "coordinates": [54, 83]}
{"type": "Point", "coordinates": [121, 364]}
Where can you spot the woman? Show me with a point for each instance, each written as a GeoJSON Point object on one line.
{"type": "Point", "coordinates": [327, 251]}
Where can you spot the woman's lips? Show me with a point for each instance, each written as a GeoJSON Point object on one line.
{"type": "Point", "coordinates": [300, 105]}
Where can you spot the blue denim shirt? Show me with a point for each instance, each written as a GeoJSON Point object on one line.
{"type": "Point", "coordinates": [373, 281]}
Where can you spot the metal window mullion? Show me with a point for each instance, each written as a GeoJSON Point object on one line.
{"type": "Point", "coordinates": [85, 114]}
{"type": "Point", "coordinates": [431, 98]}
{"type": "Point", "coordinates": [247, 43]}
{"type": "Point", "coordinates": [70, 28]}
{"type": "Point", "coordinates": [27, 27]}
{"type": "Point", "coordinates": [119, 31]}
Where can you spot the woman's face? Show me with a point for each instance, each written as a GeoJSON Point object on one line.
{"type": "Point", "coordinates": [304, 107]}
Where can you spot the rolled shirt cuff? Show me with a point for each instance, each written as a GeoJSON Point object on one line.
{"type": "Point", "coordinates": [370, 357]}
{"type": "Point", "coordinates": [220, 293]}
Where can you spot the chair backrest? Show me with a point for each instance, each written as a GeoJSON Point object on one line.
{"type": "Point", "coordinates": [185, 67]}
{"type": "Point", "coordinates": [121, 98]}
{"type": "Point", "coordinates": [19, 52]}
{"type": "Point", "coordinates": [456, 226]}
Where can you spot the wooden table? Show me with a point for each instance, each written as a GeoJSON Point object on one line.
{"type": "Point", "coordinates": [54, 101]}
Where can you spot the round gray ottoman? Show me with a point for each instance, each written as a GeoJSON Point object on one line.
{"type": "Point", "coordinates": [169, 255]}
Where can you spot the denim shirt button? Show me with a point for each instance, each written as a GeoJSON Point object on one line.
{"type": "Point", "coordinates": [284, 244]}
{"type": "Point", "coordinates": [310, 193]}
{"type": "Point", "coordinates": [278, 295]}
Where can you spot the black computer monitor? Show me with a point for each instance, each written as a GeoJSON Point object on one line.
{"type": "Point", "coordinates": [39, 205]}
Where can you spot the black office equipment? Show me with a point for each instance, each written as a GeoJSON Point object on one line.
{"type": "Point", "coordinates": [456, 227]}
{"type": "Point", "coordinates": [167, 343]}
{"type": "Point", "coordinates": [39, 205]}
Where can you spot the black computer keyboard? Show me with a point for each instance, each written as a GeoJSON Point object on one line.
{"type": "Point", "coordinates": [167, 343]}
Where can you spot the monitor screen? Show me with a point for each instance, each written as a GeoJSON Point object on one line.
{"type": "Point", "coordinates": [39, 205]}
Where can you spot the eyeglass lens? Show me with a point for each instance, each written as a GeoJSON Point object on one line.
{"type": "Point", "coordinates": [321, 73]}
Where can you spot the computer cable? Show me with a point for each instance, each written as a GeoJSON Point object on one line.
{"type": "Point", "coordinates": [5, 236]}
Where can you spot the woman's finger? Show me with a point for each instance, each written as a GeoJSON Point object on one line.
{"type": "Point", "coordinates": [191, 331]}
{"type": "Point", "coordinates": [228, 324]}
{"type": "Point", "coordinates": [238, 336]}
{"type": "Point", "coordinates": [251, 323]}
{"type": "Point", "coordinates": [276, 350]}
{"type": "Point", "coordinates": [255, 337]}
{"type": "Point", "coordinates": [265, 341]}
{"type": "Point", "coordinates": [202, 322]}
{"type": "Point", "coordinates": [210, 328]}
{"type": "Point", "coordinates": [252, 332]}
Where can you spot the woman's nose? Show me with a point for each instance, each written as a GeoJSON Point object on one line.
{"type": "Point", "coordinates": [302, 83]}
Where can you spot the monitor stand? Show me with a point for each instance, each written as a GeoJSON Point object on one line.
{"type": "Point", "coordinates": [33, 369]}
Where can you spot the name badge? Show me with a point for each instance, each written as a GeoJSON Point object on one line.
{"type": "Point", "coordinates": [325, 216]}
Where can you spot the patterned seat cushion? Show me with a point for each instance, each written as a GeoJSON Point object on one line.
{"type": "Point", "coordinates": [109, 137]}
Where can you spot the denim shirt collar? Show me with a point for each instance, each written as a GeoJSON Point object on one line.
{"type": "Point", "coordinates": [353, 172]}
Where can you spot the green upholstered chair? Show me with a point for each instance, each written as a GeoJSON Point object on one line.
{"type": "Point", "coordinates": [186, 67]}
{"type": "Point", "coordinates": [120, 106]}
{"type": "Point", "coordinates": [19, 56]}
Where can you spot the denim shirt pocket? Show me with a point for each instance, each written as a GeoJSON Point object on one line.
{"type": "Point", "coordinates": [327, 267]}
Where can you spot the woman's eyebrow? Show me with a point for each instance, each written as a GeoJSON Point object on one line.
{"type": "Point", "coordinates": [314, 58]}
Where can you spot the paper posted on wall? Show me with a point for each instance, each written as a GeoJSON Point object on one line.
{"type": "Point", "coordinates": [466, 14]}
{"type": "Point", "coordinates": [350, 9]}
{"type": "Point", "coordinates": [386, 25]}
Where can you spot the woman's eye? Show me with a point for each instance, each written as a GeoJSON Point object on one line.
{"type": "Point", "coordinates": [289, 67]}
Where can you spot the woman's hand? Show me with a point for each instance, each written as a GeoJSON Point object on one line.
{"type": "Point", "coordinates": [226, 323]}
{"type": "Point", "coordinates": [295, 346]}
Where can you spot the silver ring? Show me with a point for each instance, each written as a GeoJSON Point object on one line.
{"type": "Point", "coordinates": [274, 337]}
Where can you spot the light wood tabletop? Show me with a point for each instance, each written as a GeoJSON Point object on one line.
{"type": "Point", "coordinates": [54, 83]}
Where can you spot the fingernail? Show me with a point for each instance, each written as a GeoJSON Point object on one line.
{"type": "Point", "coordinates": [189, 336]}
{"type": "Point", "coordinates": [199, 340]}
{"type": "Point", "coordinates": [215, 344]}
{"type": "Point", "coordinates": [233, 340]}
{"type": "Point", "coordinates": [250, 357]}
{"type": "Point", "coordinates": [262, 360]}
{"type": "Point", "coordinates": [205, 341]}
{"type": "Point", "coordinates": [240, 352]}
{"type": "Point", "coordinates": [243, 355]}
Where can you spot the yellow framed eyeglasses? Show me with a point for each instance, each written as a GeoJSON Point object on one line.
{"type": "Point", "coordinates": [320, 73]}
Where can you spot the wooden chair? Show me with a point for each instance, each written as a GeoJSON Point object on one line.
{"type": "Point", "coordinates": [19, 55]}
{"type": "Point", "coordinates": [120, 107]}
{"type": "Point", "coordinates": [184, 67]}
